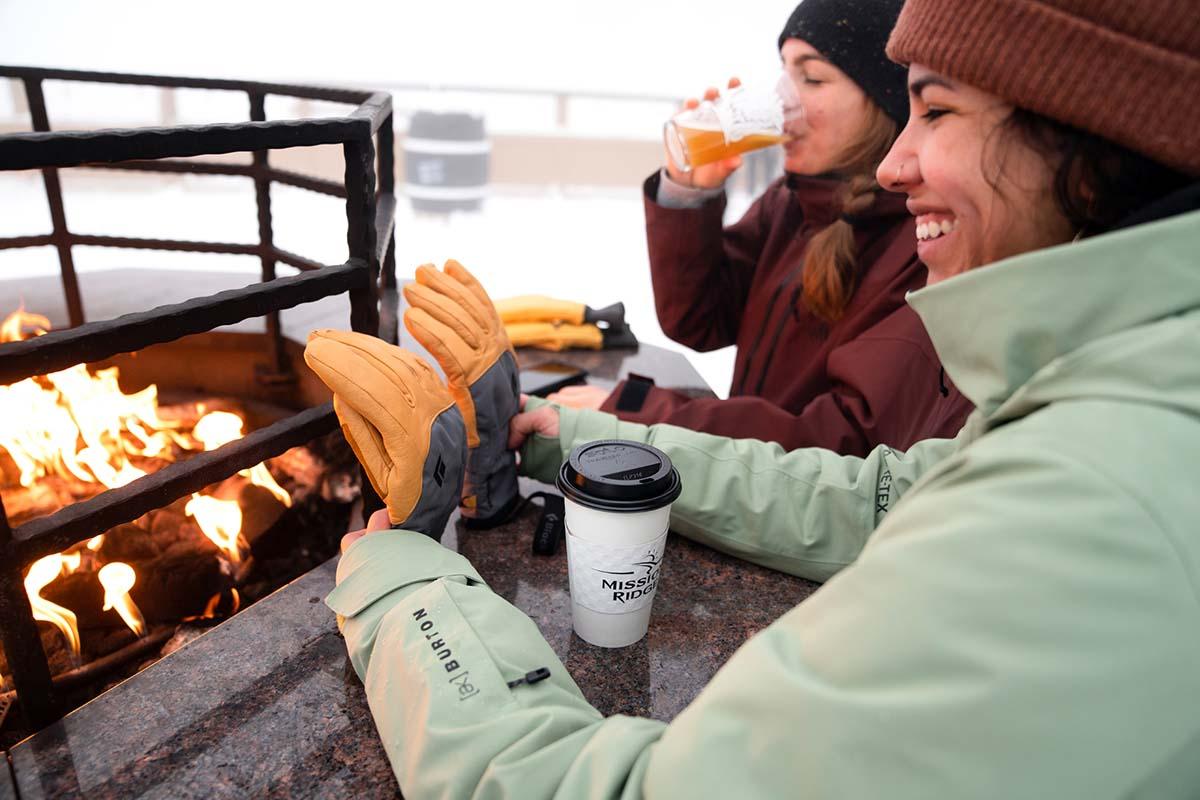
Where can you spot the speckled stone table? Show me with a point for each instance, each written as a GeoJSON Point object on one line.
{"type": "Point", "coordinates": [266, 705]}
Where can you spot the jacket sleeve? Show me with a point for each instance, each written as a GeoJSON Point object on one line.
{"type": "Point", "coordinates": [701, 271]}
{"type": "Point", "coordinates": [806, 512]}
{"type": "Point", "coordinates": [948, 661]}
{"type": "Point", "coordinates": [864, 407]}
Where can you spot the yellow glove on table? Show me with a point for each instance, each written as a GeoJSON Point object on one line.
{"type": "Point", "coordinates": [452, 316]}
{"type": "Point", "coordinates": [539, 308]}
{"type": "Point", "coordinates": [548, 336]}
{"type": "Point", "coordinates": [400, 421]}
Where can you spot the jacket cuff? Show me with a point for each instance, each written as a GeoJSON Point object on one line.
{"type": "Point", "coordinates": [670, 194]}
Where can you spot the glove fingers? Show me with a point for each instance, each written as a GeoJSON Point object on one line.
{"type": "Point", "coordinates": [363, 378]}
{"type": "Point", "coordinates": [444, 310]}
{"type": "Point", "coordinates": [438, 340]}
{"type": "Point", "coordinates": [482, 315]}
{"type": "Point", "coordinates": [461, 274]}
{"type": "Point", "coordinates": [367, 445]}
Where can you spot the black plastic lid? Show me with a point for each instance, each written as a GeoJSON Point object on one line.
{"type": "Point", "coordinates": [615, 475]}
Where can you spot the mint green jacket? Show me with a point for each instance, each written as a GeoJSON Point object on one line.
{"type": "Point", "coordinates": [1013, 613]}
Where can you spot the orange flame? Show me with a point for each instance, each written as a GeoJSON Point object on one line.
{"type": "Point", "coordinates": [85, 426]}
{"type": "Point", "coordinates": [217, 428]}
{"type": "Point", "coordinates": [40, 575]}
{"type": "Point", "coordinates": [117, 579]}
{"type": "Point", "coordinates": [221, 521]}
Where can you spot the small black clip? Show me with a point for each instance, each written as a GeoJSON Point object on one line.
{"type": "Point", "coordinates": [550, 525]}
{"type": "Point", "coordinates": [539, 674]}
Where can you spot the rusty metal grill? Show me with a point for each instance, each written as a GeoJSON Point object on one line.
{"type": "Point", "coordinates": [368, 276]}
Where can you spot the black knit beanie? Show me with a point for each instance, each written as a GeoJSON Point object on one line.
{"type": "Point", "coordinates": [853, 35]}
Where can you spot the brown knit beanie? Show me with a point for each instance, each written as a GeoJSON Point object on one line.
{"type": "Point", "coordinates": [1126, 70]}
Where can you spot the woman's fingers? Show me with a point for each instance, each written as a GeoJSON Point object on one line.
{"type": "Point", "coordinates": [542, 420]}
{"type": "Point", "coordinates": [379, 521]}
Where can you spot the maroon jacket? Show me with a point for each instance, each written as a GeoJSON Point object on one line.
{"type": "Point", "coordinates": [870, 378]}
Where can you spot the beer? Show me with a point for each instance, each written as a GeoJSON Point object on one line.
{"type": "Point", "coordinates": [694, 145]}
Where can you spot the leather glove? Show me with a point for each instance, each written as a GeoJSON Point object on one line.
{"type": "Point", "coordinates": [400, 421]}
{"type": "Point", "coordinates": [548, 336]}
{"type": "Point", "coordinates": [453, 318]}
{"type": "Point", "coordinates": [539, 308]}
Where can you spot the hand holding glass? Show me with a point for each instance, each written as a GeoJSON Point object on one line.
{"type": "Point", "coordinates": [741, 120]}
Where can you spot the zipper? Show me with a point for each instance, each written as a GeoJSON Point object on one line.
{"type": "Point", "coordinates": [530, 678]}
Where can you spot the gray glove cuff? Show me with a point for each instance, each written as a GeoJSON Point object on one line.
{"type": "Point", "coordinates": [441, 475]}
{"type": "Point", "coordinates": [492, 467]}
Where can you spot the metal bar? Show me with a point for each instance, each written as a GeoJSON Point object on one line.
{"type": "Point", "coordinates": [297, 261]}
{"type": "Point", "coordinates": [385, 220]}
{"type": "Point", "coordinates": [300, 181]}
{"type": "Point", "coordinates": [21, 640]}
{"type": "Point", "coordinates": [58, 214]}
{"type": "Point", "coordinates": [387, 156]}
{"type": "Point", "coordinates": [375, 109]}
{"type": "Point", "coordinates": [14, 242]}
{"type": "Point", "coordinates": [74, 148]}
{"type": "Point", "coordinates": [99, 340]}
{"type": "Point", "coordinates": [266, 238]}
{"type": "Point", "coordinates": [172, 165]}
{"type": "Point", "coordinates": [360, 231]}
{"type": "Point", "coordinates": [360, 236]}
{"type": "Point", "coordinates": [228, 248]}
{"type": "Point", "coordinates": [81, 521]}
{"type": "Point", "coordinates": [332, 94]}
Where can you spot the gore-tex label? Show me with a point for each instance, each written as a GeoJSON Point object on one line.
{"type": "Point", "coordinates": [613, 580]}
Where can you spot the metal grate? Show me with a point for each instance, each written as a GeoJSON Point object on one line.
{"type": "Point", "coordinates": [368, 276]}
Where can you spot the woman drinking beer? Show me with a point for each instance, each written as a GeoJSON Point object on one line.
{"type": "Point", "coordinates": [810, 283]}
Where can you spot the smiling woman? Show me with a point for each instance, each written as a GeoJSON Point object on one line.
{"type": "Point", "coordinates": [1013, 610]}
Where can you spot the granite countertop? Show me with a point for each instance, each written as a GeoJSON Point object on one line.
{"type": "Point", "coordinates": [266, 704]}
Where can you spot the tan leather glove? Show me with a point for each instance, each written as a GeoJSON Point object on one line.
{"type": "Point", "coordinates": [400, 421]}
{"type": "Point", "coordinates": [539, 308]}
{"type": "Point", "coordinates": [452, 316]}
{"type": "Point", "coordinates": [548, 336]}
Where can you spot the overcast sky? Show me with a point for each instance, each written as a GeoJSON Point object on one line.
{"type": "Point", "coordinates": [668, 47]}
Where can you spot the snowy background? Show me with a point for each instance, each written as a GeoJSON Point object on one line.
{"type": "Point", "coordinates": [623, 63]}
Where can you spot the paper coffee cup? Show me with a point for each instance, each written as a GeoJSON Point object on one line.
{"type": "Point", "coordinates": [618, 506]}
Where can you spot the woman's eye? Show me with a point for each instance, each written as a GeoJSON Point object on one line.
{"type": "Point", "coordinates": [812, 81]}
{"type": "Point", "coordinates": [933, 113]}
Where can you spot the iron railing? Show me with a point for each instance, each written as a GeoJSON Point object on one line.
{"type": "Point", "coordinates": [368, 275]}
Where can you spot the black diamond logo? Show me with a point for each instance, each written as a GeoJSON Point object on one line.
{"type": "Point", "coordinates": [439, 471]}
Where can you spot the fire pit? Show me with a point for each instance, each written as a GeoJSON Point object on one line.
{"type": "Point", "coordinates": [126, 528]}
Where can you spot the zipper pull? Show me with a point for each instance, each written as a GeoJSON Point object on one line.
{"type": "Point", "coordinates": [539, 674]}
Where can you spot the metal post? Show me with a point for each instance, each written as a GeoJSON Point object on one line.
{"type": "Point", "coordinates": [22, 642]}
{"type": "Point", "coordinates": [266, 239]}
{"type": "Point", "coordinates": [360, 236]}
{"type": "Point", "coordinates": [62, 237]}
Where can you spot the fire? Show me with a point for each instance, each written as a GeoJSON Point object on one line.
{"type": "Point", "coordinates": [85, 427]}
{"type": "Point", "coordinates": [117, 579]}
{"type": "Point", "coordinates": [221, 521]}
{"type": "Point", "coordinates": [218, 428]}
{"type": "Point", "coordinates": [42, 574]}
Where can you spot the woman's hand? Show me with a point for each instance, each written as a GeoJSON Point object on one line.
{"type": "Point", "coordinates": [706, 176]}
{"type": "Point", "coordinates": [591, 397]}
{"type": "Point", "coordinates": [543, 420]}
{"type": "Point", "coordinates": [379, 521]}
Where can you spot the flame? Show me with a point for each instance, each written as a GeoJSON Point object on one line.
{"type": "Point", "coordinates": [95, 543]}
{"type": "Point", "coordinates": [42, 574]}
{"type": "Point", "coordinates": [221, 521]}
{"type": "Point", "coordinates": [85, 427]}
{"type": "Point", "coordinates": [117, 579]}
{"type": "Point", "coordinates": [218, 428]}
